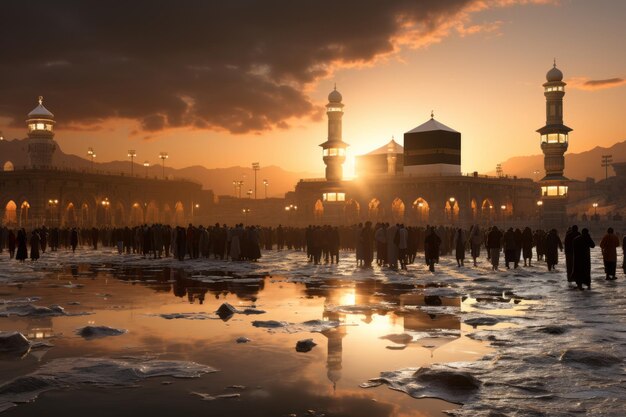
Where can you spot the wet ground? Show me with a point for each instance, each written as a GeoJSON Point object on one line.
{"type": "Point", "coordinates": [510, 343]}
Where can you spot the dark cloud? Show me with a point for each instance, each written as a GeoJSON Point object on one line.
{"type": "Point", "coordinates": [583, 83]}
{"type": "Point", "coordinates": [232, 65]}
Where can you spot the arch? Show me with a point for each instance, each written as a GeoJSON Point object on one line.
{"type": "Point", "coordinates": [352, 210]}
{"type": "Point", "coordinates": [84, 219]}
{"type": "Point", "coordinates": [474, 209]}
{"type": "Point", "coordinates": [167, 214]}
{"type": "Point", "coordinates": [318, 210]}
{"type": "Point", "coordinates": [136, 214]}
{"type": "Point", "coordinates": [179, 213]}
{"type": "Point", "coordinates": [487, 210]}
{"type": "Point", "coordinates": [421, 209]}
{"type": "Point", "coordinates": [24, 214]}
{"type": "Point", "coordinates": [152, 213]}
{"type": "Point", "coordinates": [452, 210]}
{"type": "Point", "coordinates": [375, 209]}
{"type": "Point", "coordinates": [70, 218]}
{"type": "Point", "coordinates": [8, 166]}
{"type": "Point", "coordinates": [119, 215]}
{"type": "Point", "coordinates": [10, 214]}
{"type": "Point", "coordinates": [397, 210]}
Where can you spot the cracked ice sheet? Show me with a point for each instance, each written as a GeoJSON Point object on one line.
{"type": "Point", "coordinates": [74, 373]}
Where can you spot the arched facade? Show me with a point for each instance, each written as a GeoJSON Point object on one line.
{"type": "Point", "coordinates": [397, 210]}
{"type": "Point", "coordinates": [8, 166]}
{"type": "Point", "coordinates": [421, 210]}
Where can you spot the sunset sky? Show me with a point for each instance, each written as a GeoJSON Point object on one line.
{"type": "Point", "coordinates": [228, 83]}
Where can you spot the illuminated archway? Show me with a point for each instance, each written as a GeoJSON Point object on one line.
{"type": "Point", "coordinates": [8, 166]}
{"type": "Point", "coordinates": [452, 210]}
{"type": "Point", "coordinates": [422, 210]}
{"type": "Point", "coordinates": [152, 213]}
{"type": "Point", "coordinates": [318, 210]}
{"type": "Point", "coordinates": [474, 208]}
{"type": "Point", "coordinates": [179, 213]}
{"type": "Point", "coordinates": [70, 215]}
{"type": "Point", "coordinates": [85, 221]}
{"type": "Point", "coordinates": [397, 210]}
{"type": "Point", "coordinates": [24, 214]}
{"type": "Point", "coordinates": [10, 214]}
{"type": "Point", "coordinates": [352, 210]}
{"type": "Point", "coordinates": [487, 210]}
{"type": "Point", "coordinates": [375, 209]}
{"type": "Point", "coordinates": [136, 214]}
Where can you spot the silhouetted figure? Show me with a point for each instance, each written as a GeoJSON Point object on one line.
{"type": "Point", "coordinates": [527, 246]}
{"type": "Point", "coordinates": [35, 242]}
{"type": "Point", "coordinates": [74, 239]}
{"type": "Point", "coordinates": [12, 242]}
{"type": "Point", "coordinates": [392, 247]}
{"type": "Point", "coordinates": [22, 249]}
{"type": "Point", "coordinates": [494, 242]}
{"type": "Point", "coordinates": [510, 248]}
{"type": "Point", "coordinates": [367, 241]}
{"type": "Point", "coordinates": [403, 244]}
{"type": "Point", "coordinates": [609, 245]}
{"type": "Point", "coordinates": [571, 234]}
{"type": "Point", "coordinates": [432, 244]}
{"type": "Point", "coordinates": [476, 239]}
{"type": "Point", "coordinates": [459, 245]}
{"type": "Point", "coordinates": [553, 246]}
{"type": "Point", "coordinates": [582, 259]}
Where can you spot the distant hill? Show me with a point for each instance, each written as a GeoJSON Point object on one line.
{"type": "Point", "coordinates": [578, 166]}
{"type": "Point", "coordinates": [220, 180]}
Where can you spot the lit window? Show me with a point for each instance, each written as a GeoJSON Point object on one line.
{"type": "Point", "coordinates": [32, 127]}
{"type": "Point", "coordinates": [554, 138]}
{"type": "Point", "coordinates": [40, 126]}
{"type": "Point", "coordinates": [554, 190]}
{"type": "Point", "coordinates": [333, 109]}
{"type": "Point", "coordinates": [334, 152]}
{"type": "Point", "coordinates": [341, 196]}
{"type": "Point", "coordinates": [332, 197]}
{"type": "Point", "coordinates": [325, 152]}
{"type": "Point", "coordinates": [49, 127]}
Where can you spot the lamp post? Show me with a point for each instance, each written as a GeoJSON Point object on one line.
{"type": "Point", "coordinates": [105, 206]}
{"type": "Point", "coordinates": [595, 211]}
{"type": "Point", "coordinates": [92, 155]}
{"type": "Point", "coordinates": [255, 167]}
{"type": "Point", "coordinates": [291, 208]}
{"type": "Point", "coordinates": [146, 165]}
{"type": "Point", "coordinates": [265, 184]}
{"type": "Point", "coordinates": [539, 213]}
{"type": "Point", "coordinates": [195, 206]}
{"type": "Point", "coordinates": [238, 184]}
{"type": "Point", "coordinates": [503, 211]}
{"type": "Point", "coordinates": [163, 156]}
{"type": "Point", "coordinates": [249, 193]}
{"type": "Point", "coordinates": [132, 154]}
{"type": "Point", "coordinates": [52, 205]}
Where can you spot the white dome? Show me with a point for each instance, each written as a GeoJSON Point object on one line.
{"type": "Point", "coordinates": [335, 96]}
{"type": "Point", "coordinates": [40, 111]}
{"type": "Point", "coordinates": [554, 74]}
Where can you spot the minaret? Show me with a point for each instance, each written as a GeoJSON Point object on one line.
{"type": "Point", "coordinates": [41, 144]}
{"type": "Point", "coordinates": [334, 148]}
{"type": "Point", "coordinates": [554, 141]}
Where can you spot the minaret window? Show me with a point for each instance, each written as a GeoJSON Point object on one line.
{"type": "Point", "coordinates": [333, 109]}
{"type": "Point", "coordinates": [554, 138]}
{"type": "Point", "coordinates": [334, 152]}
{"type": "Point", "coordinates": [555, 88]}
{"type": "Point", "coordinates": [554, 190]}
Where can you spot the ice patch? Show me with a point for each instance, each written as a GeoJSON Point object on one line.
{"type": "Point", "coordinates": [209, 397]}
{"type": "Point", "coordinates": [313, 326]}
{"type": "Point", "coordinates": [30, 310]}
{"type": "Point", "coordinates": [435, 382]}
{"type": "Point", "coordinates": [187, 316]}
{"type": "Point", "coordinates": [75, 373]}
{"type": "Point", "coordinates": [305, 345]}
{"type": "Point", "coordinates": [96, 332]}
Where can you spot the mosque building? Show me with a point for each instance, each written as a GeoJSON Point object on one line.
{"type": "Point", "coordinates": [42, 194]}
{"type": "Point", "coordinates": [420, 181]}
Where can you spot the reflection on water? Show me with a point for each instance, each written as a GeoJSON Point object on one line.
{"type": "Point", "coordinates": [384, 326]}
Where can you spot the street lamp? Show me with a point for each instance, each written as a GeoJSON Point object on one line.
{"type": "Point", "coordinates": [105, 205]}
{"type": "Point", "coordinates": [265, 184]}
{"type": "Point", "coordinates": [249, 193]}
{"type": "Point", "coordinates": [163, 156]}
{"type": "Point", "coordinates": [146, 164]}
{"type": "Point", "coordinates": [255, 167]}
{"type": "Point", "coordinates": [132, 154]}
{"type": "Point", "coordinates": [92, 155]}
{"type": "Point", "coordinates": [245, 214]}
{"type": "Point", "coordinates": [52, 205]}
{"type": "Point", "coordinates": [238, 185]}
{"type": "Point", "coordinates": [595, 210]}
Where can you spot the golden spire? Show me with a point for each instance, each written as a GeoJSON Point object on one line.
{"type": "Point", "coordinates": [40, 100]}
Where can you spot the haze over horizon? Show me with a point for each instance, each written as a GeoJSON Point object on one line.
{"type": "Point", "coordinates": [160, 78]}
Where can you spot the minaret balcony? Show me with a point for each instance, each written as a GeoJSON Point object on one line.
{"type": "Point", "coordinates": [554, 191]}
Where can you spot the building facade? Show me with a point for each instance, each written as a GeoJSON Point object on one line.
{"type": "Point", "coordinates": [41, 194]}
